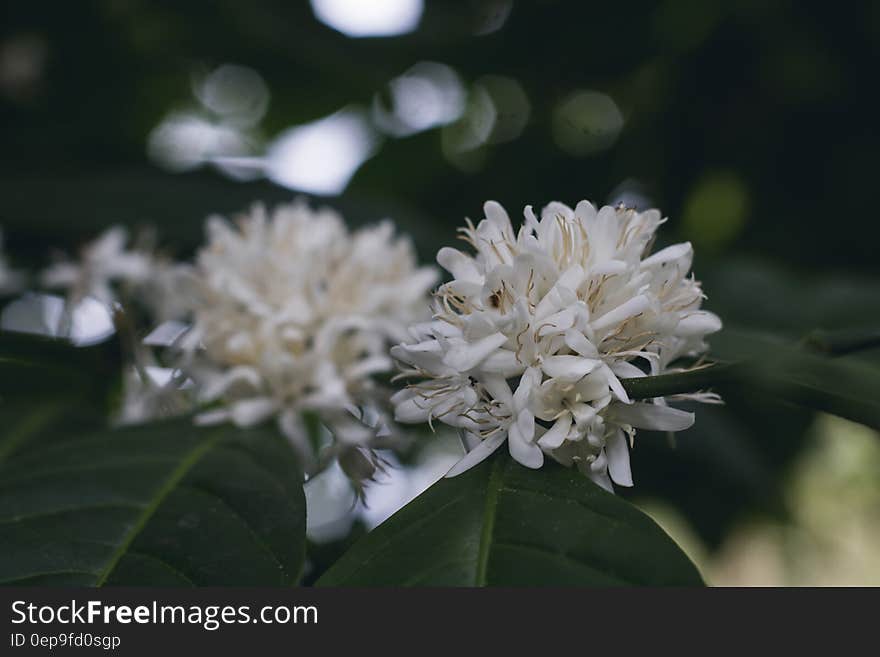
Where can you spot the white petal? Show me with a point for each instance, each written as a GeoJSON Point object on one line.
{"type": "Point", "coordinates": [602, 479]}
{"type": "Point", "coordinates": [166, 334]}
{"type": "Point", "coordinates": [557, 322]}
{"type": "Point", "coordinates": [498, 389]}
{"type": "Point", "coordinates": [624, 311]}
{"type": "Point", "coordinates": [698, 323]}
{"type": "Point", "coordinates": [212, 417]}
{"type": "Point", "coordinates": [414, 410]}
{"type": "Point", "coordinates": [585, 212]}
{"type": "Point", "coordinates": [529, 383]}
{"type": "Point", "coordinates": [525, 426]}
{"type": "Point", "coordinates": [219, 385]}
{"type": "Point", "coordinates": [461, 266]}
{"type": "Point", "coordinates": [626, 370]}
{"type": "Point", "coordinates": [469, 439]}
{"type": "Point", "coordinates": [109, 243]}
{"type": "Point", "coordinates": [578, 342]}
{"type": "Point", "coordinates": [594, 386]}
{"type": "Point", "coordinates": [496, 214]}
{"type": "Point", "coordinates": [652, 416]}
{"type": "Point", "coordinates": [555, 436]}
{"type": "Point", "coordinates": [562, 294]}
{"type": "Point", "coordinates": [556, 209]}
{"type": "Point", "coordinates": [568, 368]}
{"type": "Point", "coordinates": [248, 412]}
{"type": "Point", "coordinates": [531, 221]}
{"type": "Point", "coordinates": [522, 449]}
{"type": "Point", "coordinates": [367, 367]}
{"type": "Point", "coordinates": [427, 355]}
{"type": "Point", "coordinates": [583, 414]}
{"type": "Point", "coordinates": [503, 362]}
{"type": "Point", "coordinates": [677, 253]}
{"type": "Point", "coordinates": [571, 278]}
{"type": "Point", "coordinates": [615, 384]}
{"type": "Point", "coordinates": [603, 234]}
{"type": "Point", "coordinates": [466, 356]}
{"type": "Point", "coordinates": [609, 268]}
{"type": "Point", "coordinates": [617, 453]}
{"type": "Point", "coordinates": [477, 454]}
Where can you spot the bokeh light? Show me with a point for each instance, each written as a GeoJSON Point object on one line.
{"type": "Point", "coordinates": [586, 122]}
{"type": "Point", "coordinates": [88, 322]}
{"type": "Point", "coordinates": [716, 210]}
{"type": "Point", "coordinates": [512, 107]}
{"type": "Point", "coordinates": [237, 93]}
{"type": "Point", "coordinates": [369, 18]}
{"type": "Point", "coordinates": [23, 59]}
{"type": "Point", "coordinates": [321, 157]}
{"type": "Point", "coordinates": [462, 139]}
{"type": "Point", "coordinates": [426, 96]}
{"type": "Point", "coordinates": [220, 128]}
{"type": "Point", "coordinates": [631, 193]}
{"type": "Point", "coordinates": [492, 16]}
{"type": "Point", "coordinates": [187, 140]}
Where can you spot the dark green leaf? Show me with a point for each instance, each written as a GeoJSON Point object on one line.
{"type": "Point", "coordinates": [793, 373]}
{"type": "Point", "coordinates": [842, 386]}
{"type": "Point", "coordinates": [47, 367]}
{"type": "Point", "coordinates": [502, 524]}
{"type": "Point", "coordinates": [740, 451]}
{"type": "Point", "coordinates": [165, 503]}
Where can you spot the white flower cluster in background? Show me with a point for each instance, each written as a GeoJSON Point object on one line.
{"type": "Point", "coordinates": [284, 315]}
{"type": "Point", "coordinates": [292, 316]}
{"type": "Point", "coordinates": [533, 334]}
{"type": "Point", "coordinates": [107, 271]}
{"type": "Point", "coordinates": [103, 264]}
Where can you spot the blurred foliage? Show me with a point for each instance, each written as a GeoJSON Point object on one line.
{"type": "Point", "coordinates": [149, 505]}
{"type": "Point", "coordinates": [747, 123]}
{"type": "Point", "coordinates": [772, 93]}
{"type": "Point", "coordinates": [831, 537]}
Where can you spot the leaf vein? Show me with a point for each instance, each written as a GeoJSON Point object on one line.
{"type": "Point", "coordinates": [256, 537]}
{"type": "Point", "coordinates": [176, 476]}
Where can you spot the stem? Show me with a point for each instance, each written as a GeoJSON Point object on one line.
{"type": "Point", "coordinates": [128, 339]}
{"type": "Point", "coordinates": [836, 343]}
{"type": "Point", "coordinates": [681, 382]}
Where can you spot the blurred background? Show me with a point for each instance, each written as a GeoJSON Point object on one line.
{"type": "Point", "coordinates": [750, 124]}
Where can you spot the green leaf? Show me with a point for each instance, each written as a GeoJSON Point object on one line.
{"type": "Point", "coordinates": [806, 374]}
{"type": "Point", "coordinates": [158, 504]}
{"type": "Point", "coordinates": [27, 424]}
{"type": "Point", "coordinates": [841, 386]}
{"type": "Point", "coordinates": [37, 366]}
{"type": "Point", "coordinates": [501, 524]}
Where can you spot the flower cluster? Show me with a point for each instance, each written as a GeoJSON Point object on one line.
{"type": "Point", "coordinates": [104, 263]}
{"type": "Point", "coordinates": [288, 315]}
{"type": "Point", "coordinates": [292, 316]}
{"type": "Point", "coordinates": [533, 334]}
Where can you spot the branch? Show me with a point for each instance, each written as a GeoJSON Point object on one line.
{"type": "Point", "coordinates": [681, 382]}
{"type": "Point", "coordinates": [819, 343]}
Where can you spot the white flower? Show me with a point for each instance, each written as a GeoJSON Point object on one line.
{"type": "Point", "coordinates": [533, 333]}
{"type": "Point", "coordinates": [292, 316]}
{"type": "Point", "coordinates": [102, 264]}
{"type": "Point", "coordinates": [167, 294]}
{"type": "Point", "coordinates": [151, 392]}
